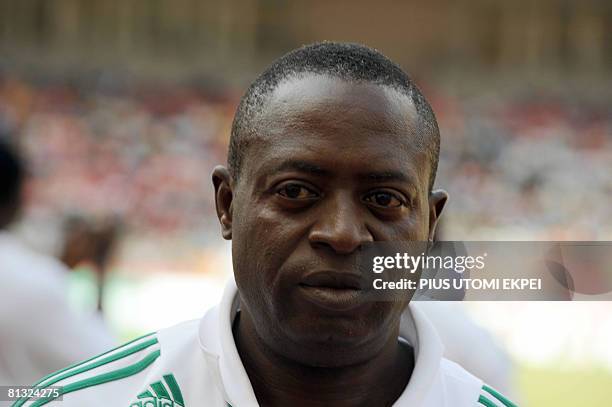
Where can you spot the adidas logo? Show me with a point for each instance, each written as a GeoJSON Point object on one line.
{"type": "Point", "coordinates": [162, 393]}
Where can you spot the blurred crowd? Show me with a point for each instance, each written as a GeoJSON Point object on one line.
{"type": "Point", "coordinates": [526, 167]}
{"type": "Point", "coordinates": [519, 167]}
{"type": "Point", "coordinates": [145, 157]}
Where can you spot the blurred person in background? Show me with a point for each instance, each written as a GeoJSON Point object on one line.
{"type": "Point", "coordinates": [91, 242]}
{"type": "Point", "coordinates": [39, 332]}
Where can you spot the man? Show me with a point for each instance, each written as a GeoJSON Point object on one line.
{"type": "Point", "coordinates": [39, 332]}
{"type": "Point", "coordinates": [332, 147]}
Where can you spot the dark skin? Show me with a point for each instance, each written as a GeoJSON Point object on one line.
{"type": "Point", "coordinates": [334, 166]}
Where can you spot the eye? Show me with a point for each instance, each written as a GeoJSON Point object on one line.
{"type": "Point", "coordinates": [296, 191]}
{"type": "Point", "coordinates": [385, 199]}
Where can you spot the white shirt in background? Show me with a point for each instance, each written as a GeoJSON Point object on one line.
{"type": "Point", "coordinates": [39, 332]}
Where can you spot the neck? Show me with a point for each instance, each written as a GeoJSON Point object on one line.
{"type": "Point", "coordinates": [278, 381]}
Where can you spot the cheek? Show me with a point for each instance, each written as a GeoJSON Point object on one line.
{"type": "Point", "coordinates": [420, 221]}
{"type": "Point", "coordinates": [262, 241]}
{"type": "Point", "coordinates": [414, 227]}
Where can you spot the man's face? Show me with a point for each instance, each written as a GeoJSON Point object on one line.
{"type": "Point", "coordinates": [334, 165]}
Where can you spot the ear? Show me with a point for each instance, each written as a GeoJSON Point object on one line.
{"type": "Point", "coordinates": [223, 199]}
{"type": "Point", "coordinates": [437, 200]}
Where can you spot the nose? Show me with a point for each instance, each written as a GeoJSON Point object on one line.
{"type": "Point", "coordinates": [340, 226]}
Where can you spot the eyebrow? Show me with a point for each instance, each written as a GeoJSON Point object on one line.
{"type": "Point", "coordinates": [387, 176]}
{"type": "Point", "coordinates": [370, 176]}
{"type": "Point", "coordinates": [301, 166]}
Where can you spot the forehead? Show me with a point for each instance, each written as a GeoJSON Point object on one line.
{"type": "Point", "coordinates": [311, 99]}
{"type": "Point", "coordinates": [338, 122]}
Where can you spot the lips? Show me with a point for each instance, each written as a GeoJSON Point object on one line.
{"type": "Point", "coordinates": [332, 279]}
{"type": "Point", "coordinates": [332, 291]}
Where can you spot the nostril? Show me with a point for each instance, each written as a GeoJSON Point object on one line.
{"type": "Point", "coordinates": [341, 243]}
{"type": "Point", "coordinates": [337, 246]}
{"type": "Point", "coordinates": [320, 245]}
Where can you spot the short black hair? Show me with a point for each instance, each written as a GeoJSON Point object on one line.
{"type": "Point", "coordinates": [12, 174]}
{"type": "Point", "coordinates": [351, 62]}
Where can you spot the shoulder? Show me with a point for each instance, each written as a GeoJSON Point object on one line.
{"type": "Point", "coordinates": [24, 268]}
{"type": "Point", "coordinates": [146, 369]}
{"type": "Point", "coordinates": [13, 251]}
{"type": "Point", "coordinates": [465, 389]}
{"type": "Point", "coordinates": [489, 397]}
{"type": "Point", "coordinates": [24, 271]}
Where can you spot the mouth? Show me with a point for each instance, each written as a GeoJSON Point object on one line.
{"type": "Point", "coordinates": [332, 280]}
{"type": "Point", "coordinates": [333, 291]}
